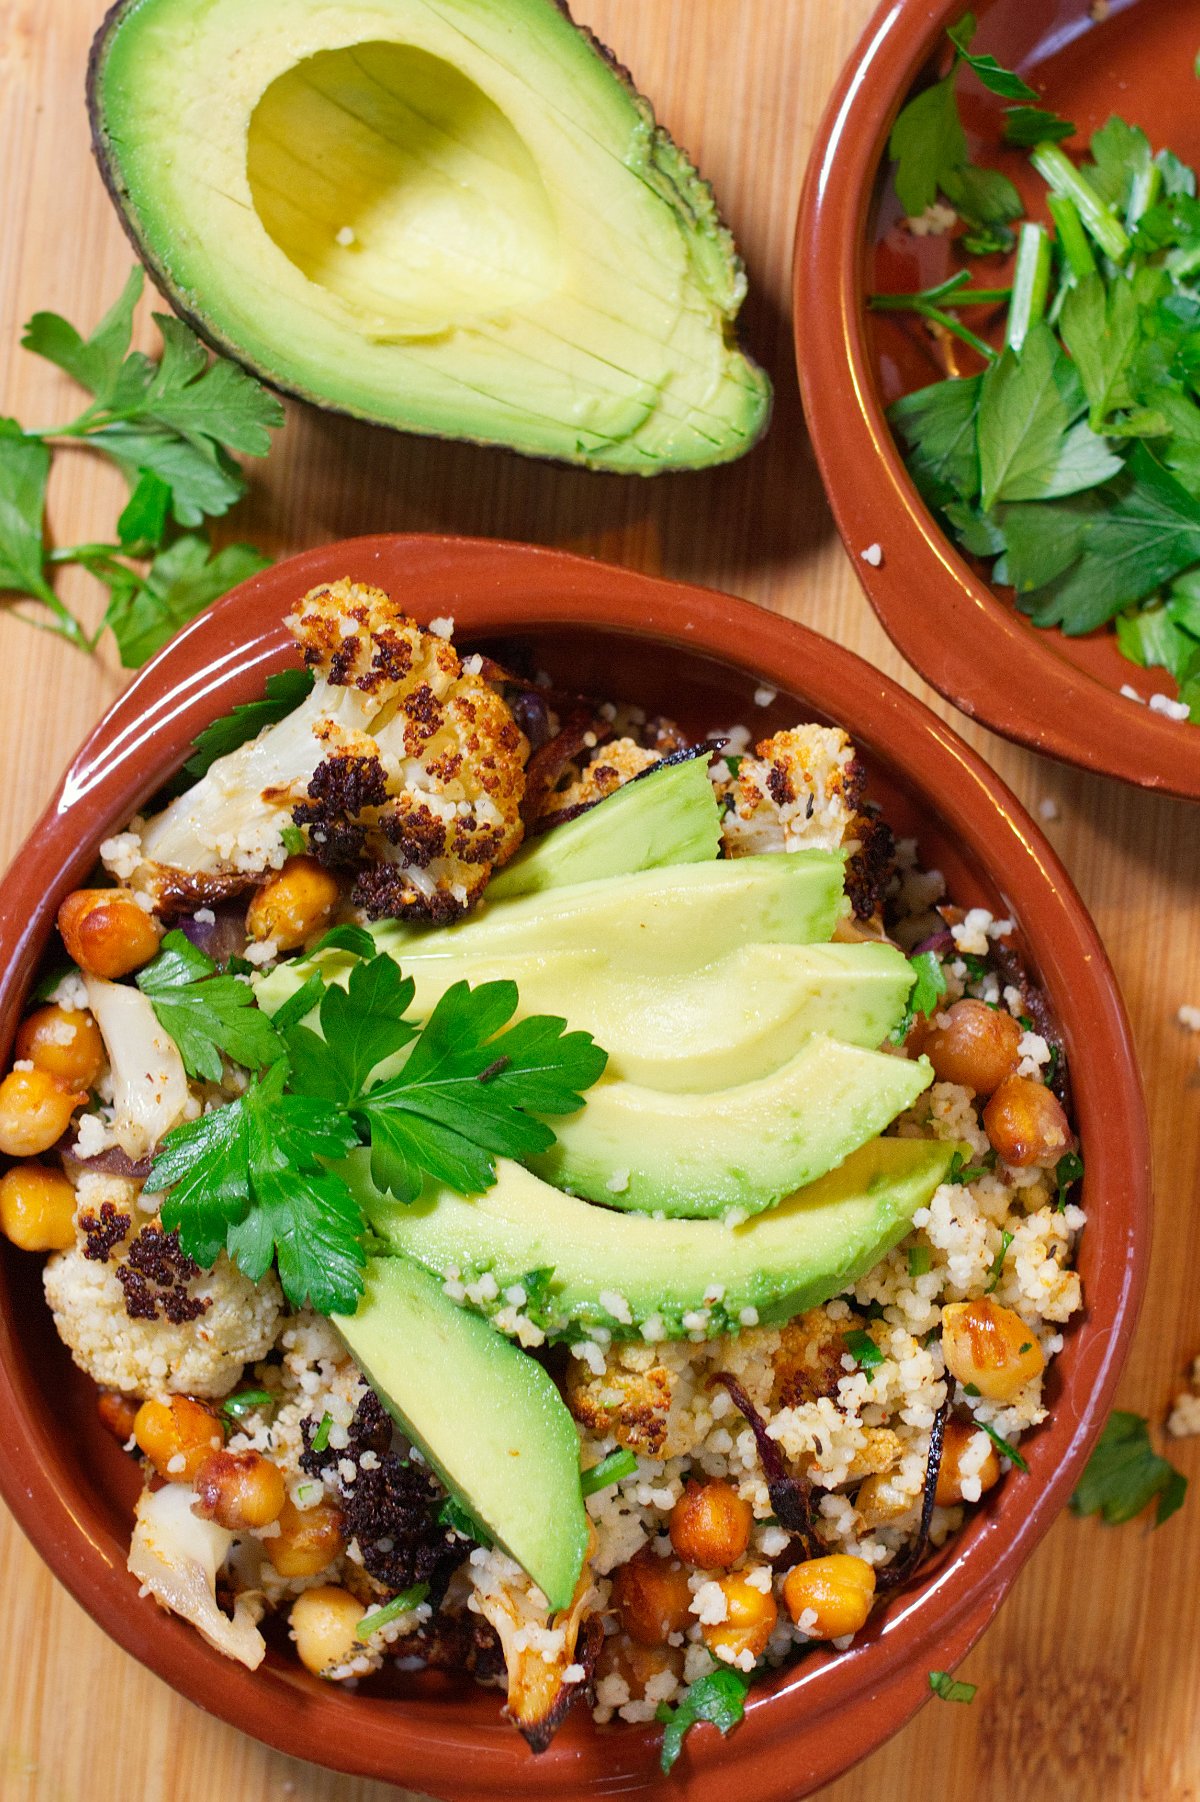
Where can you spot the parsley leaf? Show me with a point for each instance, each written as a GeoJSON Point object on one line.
{"type": "Point", "coordinates": [1028, 447]}
{"type": "Point", "coordinates": [1124, 1475]}
{"type": "Point", "coordinates": [452, 1514]}
{"type": "Point", "coordinates": [460, 1099]}
{"type": "Point", "coordinates": [1029, 125]}
{"type": "Point", "coordinates": [362, 1025]}
{"type": "Point", "coordinates": [249, 1178]}
{"type": "Point", "coordinates": [204, 1013]}
{"type": "Point", "coordinates": [938, 425]}
{"type": "Point", "coordinates": [992, 74]}
{"type": "Point", "coordinates": [927, 144]}
{"type": "Point", "coordinates": [950, 1689]}
{"type": "Point", "coordinates": [284, 692]}
{"type": "Point", "coordinates": [997, 1267]}
{"type": "Point", "coordinates": [865, 1352]}
{"type": "Point", "coordinates": [719, 1697]}
{"type": "Point", "coordinates": [1008, 1451]}
{"type": "Point", "coordinates": [1067, 1172]}
{"type": "Point", "coordinates": [1101, 325]}
{"type": "Point", "coordinates": [95, 362]}
{"type": "Point", "coordinates": [179, 584]}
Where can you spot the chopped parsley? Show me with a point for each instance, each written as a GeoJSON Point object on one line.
{"type": "Point", "coordinates": [254, 1178]}
{"type": "Point", "coordinates": [321, 1437]}
{"type": "Point", "coordinates": [929, 985]}
{"type": "Point", "coordinates": [997, 1267]}
{"type": "Point", "coordinates": [962, 1172]}
{"type": "Point", "coordinates": [454, 1515]}
{"type": "Point", "coordinates": [1072, 462]}
{"type": "Point", "coordinates": [950, 1689]}
{"type": "Point", "coordinates": [404, 1603]}
{"type": "Point", "coordinates": [612, 1469]}
{"type": "Point", "coordinates": [865, 1352]}
{"type": "Point", "coordinates": [920, 1260]}
{"type": "Point", "coordinates": [245, 1402]}
{"type": "Point", "coordinates": [1125, 1474]}
{"type": "Point", "coordinates": [1008, 1451]}
{"type": "Point", "coordinates": [293, 840]}
{"type": "Point", "coordinates": [205, 1013]}
{"type": "Point", "coordinates": [1067, 1172]}
{"type": "Point", "coordinates": [719, 1697]}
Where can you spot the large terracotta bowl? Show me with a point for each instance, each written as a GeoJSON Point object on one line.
{"type": "Point", "coordinates": [1060, 695]}
{"type": "Point", "coordinates": [701, 656]}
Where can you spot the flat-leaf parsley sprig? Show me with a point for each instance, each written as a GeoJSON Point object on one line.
{"type": "Point", "coordinates": [171, 426]}
{"type": "Point", "coordinates": [440, 1102]}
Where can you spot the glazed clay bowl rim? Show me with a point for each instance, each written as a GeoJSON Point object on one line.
{"type": "Point", "coordinates": [817, 1717]}
{"type": "Point", "coordinates": [989, 661]}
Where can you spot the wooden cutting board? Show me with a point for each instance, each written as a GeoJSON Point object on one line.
{"type": "Point", "coordinates": [1089, 1682]}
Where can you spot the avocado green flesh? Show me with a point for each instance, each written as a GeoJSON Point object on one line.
{"type": "Point", "coordinates": [649, 921]}
{"type": "Point", "coordinates": [450, 216]}
{"type": "Point", "coordinates": [793, 1257]}
{"type": "Point", "coordinates": [485, 1415]}
{"type": "Point", "coordinates": [687, 1032]}
{"type": "Point", "coordinates": [669, 816]}
{"type": "Point", "coordinates": [734, 1150]}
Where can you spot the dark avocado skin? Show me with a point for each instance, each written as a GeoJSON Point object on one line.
{"type": "Point", "coordinates": [205, 330]}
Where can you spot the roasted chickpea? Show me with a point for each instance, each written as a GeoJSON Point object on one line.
{"type": "Point", "coordinates": [750, 1617]}
{"type": "Point", "coordinates": [177, 1436]}
{"type": "Point", "coordinates": [35, 1111]}
{"type": "Point", "coordinates": [652, 1597]}
{"type": "Point", "coordinates": [955, 1440]}
{"type": "Point", "coordinates": [239, 1490]}
{"type": "Point", "coordinates": [293, 904]}
{"type": "Point", "coordinates": [106, 931]}
{"type": "Point", "coordinates": [64, 1042]}
{"type": "Point", "coordinates": [621, 1656]}
{"type": "Point", "coordinates": [710, 1525]}
{"type": "Point", "coordinates": [324, 1625]}
{"type": "Point", "coordinates": [118, 1413]}
{"type": "Point", "coordinates": [838, 1590]}
{"type": "Point", "coordinates": [990, 1348]}
{"type": "Point", "coordinates": [1026, 1124]}
{"type": "Point", "coordinates": [37, 1208]}
{"type": "Point", "coordinates": [977, 1046]}
{"type": "Point", "coordinates": [308, 1539]}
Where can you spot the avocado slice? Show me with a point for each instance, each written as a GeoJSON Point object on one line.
{"type": "Point", "coordinates": [685, 1031]}
{"type": "Point", "coordinates": [668, 816]}
{"type": "Point", "coordinates": [648, 921]}
{"type": "Point", "coordinates": [485, 1415]}
{"type": "Point", "coordinates": [732, 1151]}
{"type": "Point", "coordinates": [455, 217]}
{"type": "Point", "coordinates": [659, 1272]}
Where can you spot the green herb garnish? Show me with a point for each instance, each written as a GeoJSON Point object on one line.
{"type": "Point", "coordinates": [929, 985]}
{"type": "Point", "coordinates": [284, 692]}
{"type": "Point", "coordinates": [452, 1514]}
{"type": "Point", "coordinates": [865, 1352]}
{"type": "Point", "coordinates": [245, 1402]}
{"type": "Point", "coordinates": [719, 1698]}
{"type": "Point", "coordinates": [171, 427]}
{"type": "Point", "coordinates": [961, 1172]}
{"type": "Point", "coordinates": [920, 1260]}
{"type": "Point", "coordinates": [404, 1603]}
{"type": "Point", "coordinates": [950, 1689]}
{"type": "Point", "coordinates": [320, 1438]}
{"type": "Point", "coordinates": [1001, 1445]}
{"type": "Point", "coordinates": [1125, 1474]}
{"type": "Point", "coordinates": [609, 1470]}
{"type": "Point", "coordinates": [997, 1266]}
{"type": "Point", "coordinates": [253, 1178]}
{"type": "Point", "coordinates": [1067, 1172]}
{"type": "Point", "coordinates": [1072, 463]}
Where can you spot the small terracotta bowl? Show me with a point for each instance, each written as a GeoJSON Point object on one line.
{"type": "Point", "coordinates": [1060, 695]}
{"type": "Point", "coordinates": [699, 656]}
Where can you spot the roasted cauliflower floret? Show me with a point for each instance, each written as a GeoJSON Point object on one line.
{"type": "Point", "coordinates": [402, 766]}
{"type": "Point", "coordinates": [613, 765]}
{"type": "Point", "coordinates": [160, 1329]}
{"type": "Point", "coordinates": [803, 791]}
{"type": "Point", "coordinates": [549, 1658]}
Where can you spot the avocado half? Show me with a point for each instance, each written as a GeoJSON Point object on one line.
{"type": "Point", "coordinates": [454, 217]}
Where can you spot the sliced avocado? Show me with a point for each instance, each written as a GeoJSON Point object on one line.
{"type": "Point", "coordinates": [723, 1023]}
{"type": "Point", "coordinates": [677, 1276]}
{"type": "Point", "coordinates": [649, 921]}
{"type": "Point", "coordinates": [485, 1415]}
{"type": "Point", "coordinates": [731, 1151]}
{"type": "Point", "coordinates": [668, 816]}
{"type": "Point", "coordinates": [455, 217]}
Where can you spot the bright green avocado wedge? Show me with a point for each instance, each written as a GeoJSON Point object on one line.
{"type": "Point", "coordinates": [455, 217]}
{"type": "Point", "coordinates": [733, 1151]}
{"type": "Point", "coordinates": [485, 1415]}
{"type": "Point", "coordinates": [649, 921]}
{"type": "Point", "coordinates": [668, 816]}
{"type": "Point", "coordinates": [625, 1271]}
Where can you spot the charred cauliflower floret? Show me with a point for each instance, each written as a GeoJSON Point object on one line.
{"type": "Point", "coordinates": [402, 766]}
{"type": "Point", "coordinates": [803, 791]}
{"type": "Point", "coordinates": [611, 768]}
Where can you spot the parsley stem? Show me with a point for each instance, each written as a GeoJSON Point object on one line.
{"type": "Point", "coordinates": [949, 295]}
{"type": "Point", "coordinates": [1144, 191]}
{"type": "Point", "coordinates": [955, 327]}
{"type": "Point", "coordinates": [1031, 284]}
{"type": "Point", "coordinates": [1072, 236]}
{"type": "Point", "coordinates": [1059, 172]}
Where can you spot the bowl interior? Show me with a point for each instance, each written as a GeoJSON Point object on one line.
{"type": "Point", "coordinates": [72, 1487]}
{"type": "Point", "coordinates": [1137, 62]}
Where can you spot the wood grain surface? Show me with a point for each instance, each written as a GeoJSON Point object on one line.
{"type": "Point", "coordinates": [1089, 1681]}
